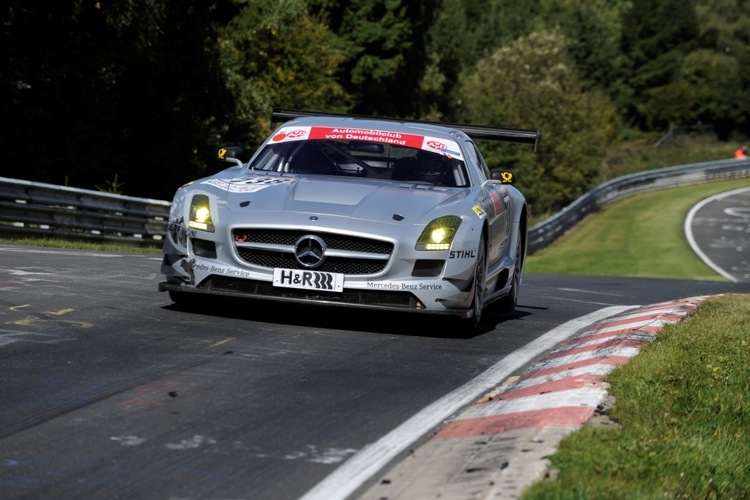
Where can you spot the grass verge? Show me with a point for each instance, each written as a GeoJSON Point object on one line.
{"type": "Point", "coordinates": [682, 418]}
{"type": "Point", "coordinates": [640, 236]}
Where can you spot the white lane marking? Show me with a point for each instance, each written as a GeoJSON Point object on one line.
{"type": "Point", "coordinates": [128, 440]}
{"type": "Point", "coordinates": [353, 473]}
{"type": "Point", "coordinates": [312, 454]}
{"type": "Point", "coordinates": [66, 252]}
{"type": "Point", "coordinates": [689, 231]}
{"type": "Point", "coordinates": [564, 299]}
{"type": "Point", "coordinates": [8, 337]}
{"type": "Point", "coordinates": [595, 292]}
{"type": "Point", "coordinates": [195, 442]}
{"type": "Point", "coordinates": [21, 272]}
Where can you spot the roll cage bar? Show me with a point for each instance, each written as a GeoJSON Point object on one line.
{"type": "Point", "coordinates": [517, 135]}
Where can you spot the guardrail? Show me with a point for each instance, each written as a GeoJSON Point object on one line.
{"type": "Point", "coordinates": [32, 208]}
{"type": "Point", "coordinates": [46, 210]}
{"type": "Point", "coordinates": [544, 233]}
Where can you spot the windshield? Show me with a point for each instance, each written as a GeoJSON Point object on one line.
{"type": "Point", "coordinates": [362, 158]}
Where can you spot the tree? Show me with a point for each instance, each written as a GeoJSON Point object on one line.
{"type": "Point", "coordinates": [277, 54]}
{"type": "Point", "coordinates": [125, 89]}
{"type": "Point", "coordinates": [462, 32]}
{"type": "Point", "coordinates": [384, 51]}
{"type": "Point", "coordinates": [657, 36]}
{"type": "Point", "coordinates": [531, 83]}
{"type": "Point", "coordinates": [720, 72]}
{"type": "Point", "coordinates": [594, 31]}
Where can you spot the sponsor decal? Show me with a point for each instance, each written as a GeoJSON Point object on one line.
{"type": "Point", "coordinates": [463, 254]}
{"type": "Point", "coordinates": [433, 144]}
{"type": "Point", "coordinates": [497, 202]}
{"type": "Point", "coordinates": [478, 210]}
{"type": "Point", "coordinates": [404, 286]}
{"type": "Point", "coordinates": [311, 280]}
{"type": "Point", "coordinates": [247, 184]}
{"type": "Point", "coordinates": [507, 177]}
{"type": "Point", "coordinates": [308, 280]}
{"type": "Point", "coordinates": [227, 271]}
{"type": "Point", "coordinates": [448, 148]}
{"type": "Point", "coordinates": [291, 134]}
{"type": "Point", "coordinates": [369, 135]}
{"type": "Point", "coordinates": [436, 145]}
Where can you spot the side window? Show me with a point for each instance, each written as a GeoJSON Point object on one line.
{"type": "Point", "coordinates": [477, 158]}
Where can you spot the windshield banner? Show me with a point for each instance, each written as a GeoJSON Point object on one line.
{"type": "Point", "coordinates": [433, 144]}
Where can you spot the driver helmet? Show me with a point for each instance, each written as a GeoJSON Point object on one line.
{"type": "Point", "coordinates": [431, 167]}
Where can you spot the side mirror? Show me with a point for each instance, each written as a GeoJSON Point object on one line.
{"type": "Point", "coordinates": [231, 154]}
{"type": "Point", "coordinates": [504, 176]}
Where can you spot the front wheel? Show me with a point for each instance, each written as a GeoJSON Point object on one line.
{"type": "Point", "coordinates": [469, 325]}
{"type": "Point", "coordinates": [508, 303]}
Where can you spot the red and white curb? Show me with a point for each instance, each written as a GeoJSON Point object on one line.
{"type": "Point", "coordinates": [499, 443]}
{"type": "Point", "coordinates": [566, 386]}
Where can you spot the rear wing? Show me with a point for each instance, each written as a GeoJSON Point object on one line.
{"type": "Point", "coordinates": [517, 135]}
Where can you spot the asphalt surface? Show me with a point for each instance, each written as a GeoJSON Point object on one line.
{"type": "Point", "coordinates": [718, 230]}
{"type": "Point", "coordinates": [107, 390]}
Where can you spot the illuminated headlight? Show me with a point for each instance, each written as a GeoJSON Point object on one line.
{"type": "Point", "coordinates": [438, 235]}
{"type": "Point", "coordinates": [200, 213]}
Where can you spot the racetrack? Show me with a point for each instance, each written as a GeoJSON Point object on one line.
{"type": "Point", "coordinates": [718, 230]}
{"type": "Point", "coordinates": [108, 390]}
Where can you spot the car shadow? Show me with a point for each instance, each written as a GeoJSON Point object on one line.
{"type": "Point", "coordinates": [346, 318]}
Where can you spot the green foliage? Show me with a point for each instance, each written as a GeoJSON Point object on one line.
{"type": "Point", "coordinates": [714, 81]}
{"type": "Point", "coordinates": [725, 32]}
{"type": "Point", "coordinates": [531, 83]}
{"type": "Point", "coordinates": [103, 88]}
{"type": "Point", "coordinates": [656, 38]}
{"type": "Point", "coordinates": [384, 53]}
{"type": "Point", "coordinates": [463, 32]}
{"type": "Point", "coordinates": [636, 155]}
{"type": "Point", "coordinates": [276, 54]}
{"type": "Point", "coordinates": [593, 29]}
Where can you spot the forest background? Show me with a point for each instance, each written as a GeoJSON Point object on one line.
{"type": "Point", "coordinates": [136, 96]}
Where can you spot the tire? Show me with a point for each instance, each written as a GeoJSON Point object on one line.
{"type": "Point", "coordinates": [508, 303]}
{"type": "Point", "coordinates": [469, 325]}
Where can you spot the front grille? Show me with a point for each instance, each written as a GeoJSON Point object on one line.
{"type": "Point", "coordinates": [266, 290]}
{"type": "Point", "coordinates": [353, 265]}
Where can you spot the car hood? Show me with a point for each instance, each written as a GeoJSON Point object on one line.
{"type": "Point", "coordinates": [372, 200]}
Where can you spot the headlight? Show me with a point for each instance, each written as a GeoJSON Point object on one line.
{"type": "Point", "coordinates": [200, 213]}
{"type": "Point", "coordinates": [438, 235]}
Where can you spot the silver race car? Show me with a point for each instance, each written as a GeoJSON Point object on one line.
{"type": "Point", "coordinates": [343, 210]}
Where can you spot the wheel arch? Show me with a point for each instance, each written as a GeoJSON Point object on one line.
{"type": "Point", "coordinates": [523, 224]}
